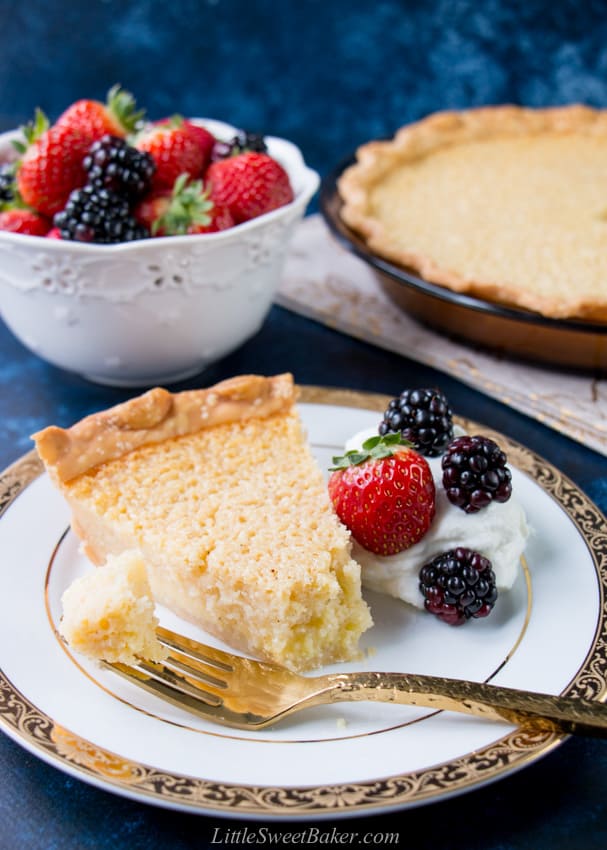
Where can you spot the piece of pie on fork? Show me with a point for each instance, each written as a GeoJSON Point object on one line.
{"type": "Point", "coordinates": [219, 492]}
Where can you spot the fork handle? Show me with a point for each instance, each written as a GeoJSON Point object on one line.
{"type": "Point", "coordinates": [563, 715]}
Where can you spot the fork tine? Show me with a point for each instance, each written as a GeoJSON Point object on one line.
{"type": "Point", "coordinates": [206, 654]}
{"type": "Point", "coordinates": [193, 701]}
{"type": "Point", "coordinates": [186, 685]}
{"type": "Point", "coordinates": [219, 658]}
{"type": "Point", "coordinates": [161, 683]}
{"type": "Point", "coordinates": [185, 694]}
{"type": "Point", "coordinates": [197, 669]}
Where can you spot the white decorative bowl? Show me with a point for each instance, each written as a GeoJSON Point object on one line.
{"type": "Point", "coordinates": [156, 310]}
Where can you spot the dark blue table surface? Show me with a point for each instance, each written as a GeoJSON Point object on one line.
{"type": "Point", "coordinates": [328, 75]}
{"type": "Point", "coordinates": [559, 802]}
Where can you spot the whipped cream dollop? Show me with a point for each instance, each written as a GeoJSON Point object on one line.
{"type": "Point", "coordinates": [499, 532]}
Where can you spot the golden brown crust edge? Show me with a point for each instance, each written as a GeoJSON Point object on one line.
{"type": "Point", "coordinates": [159, 415]}
{"type": "Point", "coordinates": [443, 129]}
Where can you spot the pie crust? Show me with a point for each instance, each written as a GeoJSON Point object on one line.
{"type": "Point", "coordinates": [505, 203]}
{"type": "Point", "coordinates": [156, 416]}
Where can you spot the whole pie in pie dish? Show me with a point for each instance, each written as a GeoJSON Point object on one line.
{"type": "Point", "coordinates": [218, 491]}
{"type": "Point", "coordinates": [505, 203]}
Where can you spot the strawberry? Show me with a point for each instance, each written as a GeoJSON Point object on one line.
{"type": "Point", "coordinates": [54, 233]}
{"type": "Point", "coordinates": [188, 209]}
{"type": "Point", "coordinates": [205, 139]}
{"type": "Point", "coordinates": [51, 167]}
{"type": "Point", "coordinates": [93, 119]}
{"type": "Point", "coordinates": [19, 220]}
{"type": "Point", "coordinates": [384, 494]}
{"type": "Point", "coordinates": [176, 149]}
{"type": "Point", "coordinates": [249, 184]}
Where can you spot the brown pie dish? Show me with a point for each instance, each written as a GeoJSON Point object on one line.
{"type": "Point", "coordinates": [500, 295]}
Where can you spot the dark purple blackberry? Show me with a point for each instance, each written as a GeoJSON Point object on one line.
{"type": "Point", "coordinates": [247, 141]}
{"type": "Point", "coordinates": [241, 142]}
{"type": "Point", "coordinates": [458, 585]}
{"type": "Point", "coordinates": [475, 473]}
{"type": "Point", "coordinates": [113, 164]}
{"type": "Point", "coordinates": [7, 183]}
{"type": "Point", "coordinates": [96, 215]}
{"type": "Point", "coordinates": [423, 417]}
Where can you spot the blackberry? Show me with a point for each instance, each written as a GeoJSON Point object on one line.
{"type": "Point", "coordinates": [113, 164]}
{"type": "Point", "coordinates": [7, 183]}
{"type": "Point", "coordinates": [475, 473]}
{"type": "Point", "coordinates": [458, 585]}
{"type": "Point", "coordinates": [241, 142]}
{"type": "Point", "coordinates": [423, 417]}
{"type": "Point", "coordinates": [96, 215]}
{"type": "Point", "coordinates": [247, 141]}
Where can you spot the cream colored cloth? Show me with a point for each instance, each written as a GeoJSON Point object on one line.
{"type": "Point", "coordinates": [325, 282]}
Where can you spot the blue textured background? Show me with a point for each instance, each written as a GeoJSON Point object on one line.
{"type": "Point", "coordinates": [328, 74]}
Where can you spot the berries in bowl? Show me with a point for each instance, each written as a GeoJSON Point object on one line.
{"type": "Point", "coordinates": [137, 252]}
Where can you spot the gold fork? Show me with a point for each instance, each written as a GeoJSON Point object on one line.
{"type": "Point", "coordinates": [246, 694]}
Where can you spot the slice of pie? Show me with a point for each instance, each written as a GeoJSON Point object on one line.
{"type": "Point", "coordinates": [219, 492]}
{"type": "Point", "coordinates": [505, 203]}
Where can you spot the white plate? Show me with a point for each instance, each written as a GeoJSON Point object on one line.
{"type": "Point", "coordinates": [547, 634]}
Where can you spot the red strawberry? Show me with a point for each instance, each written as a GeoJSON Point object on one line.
{"type": "Point", "coordinates": [249, 184]}
{"type": "Point", "coordinates": [205, 139]}
{"type": "Point", "coordinates": [176, 149]}
{"type": "Point", "coordinates": [93, 119]}
{"type": "Point", "coordinates": [188, 209]}
{"type": "Point", "coordinates": [51, 167]}
{"type": "Point", "coordinates": [54, 233]}
{"type": "Point", "coordinates": [384, 494]}
{"type": "Point", "coordinates": [17, 220]}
